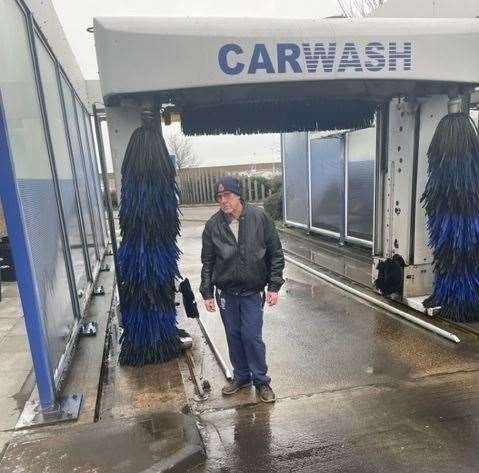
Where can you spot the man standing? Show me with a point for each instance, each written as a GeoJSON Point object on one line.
{"type": "Point", "coordinates": [242, 255]}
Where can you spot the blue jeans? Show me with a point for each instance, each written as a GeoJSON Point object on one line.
{"type": "Point", "coordinates": [243, 320]}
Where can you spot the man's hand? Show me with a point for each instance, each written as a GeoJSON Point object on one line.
{"type": "Point", "coordinates": [271, 298]}
{"type": "Point", "coordinates": [210, 305]}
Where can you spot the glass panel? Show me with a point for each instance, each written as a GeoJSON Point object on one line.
{"type": "Point", "coordinates": [295, 158]}
{"type": "Point", "coordinates": [63, 164]}
{"type": "Point", "coordinates": [360, 156]}
{"type": "Point", "coordinates": [97, 174]}
{"type": "Point", "coordinates": [34, 179]}
{"type": "Point", "coordinates": [79, 171]}
{"type": "Point", "coordinates": [89, 175]}
{"type": "Point", "coordinates": [326, 189]}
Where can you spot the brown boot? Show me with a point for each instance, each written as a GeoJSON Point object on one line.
{"type": "Point", "coordinates": [266, 394]}
{"type": "Point", "coordinates": [234, 386]}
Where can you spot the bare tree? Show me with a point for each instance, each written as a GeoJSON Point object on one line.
{"type": "Point", "coordinates": [180, 146]}
{"type": "Point", "coordinates": [359, 8]}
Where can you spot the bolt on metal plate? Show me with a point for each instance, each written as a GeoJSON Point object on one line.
{"type": "Point", "coordinates": [99, 291]}
{"type": "Point", "coordinates": [66, 409]}
{"type": "Point", "coordinates": [89, 329]}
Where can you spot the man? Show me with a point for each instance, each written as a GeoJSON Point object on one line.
{"type": "Point", "coordinates": [242, 255]}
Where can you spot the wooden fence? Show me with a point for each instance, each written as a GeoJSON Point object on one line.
{"type": "Point", "coordinates": [197, 186]}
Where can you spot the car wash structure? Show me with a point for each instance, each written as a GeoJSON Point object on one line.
{"type": "Point", "coordinates": [236, 76]}
{"type": "Point", "coordinates": [409, 77]}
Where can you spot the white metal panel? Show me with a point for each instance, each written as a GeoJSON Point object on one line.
{"type": "Point", "coordinates": [158, 54]}
{"type": "Point", "coordinates": [418, 280]}
{"type": "Point", "coordinates": [397, 205]}
{"type": "Point", "coordinates": [432, 110]}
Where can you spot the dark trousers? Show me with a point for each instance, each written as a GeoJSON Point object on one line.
{"type": "Point", "coordinates": [243, 320]}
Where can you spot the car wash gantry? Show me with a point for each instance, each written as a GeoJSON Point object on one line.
{"type": "Point", "coordinates": [412, 78]}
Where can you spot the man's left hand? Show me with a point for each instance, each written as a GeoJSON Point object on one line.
{"type": "Point", "coordinates": [271, 298]}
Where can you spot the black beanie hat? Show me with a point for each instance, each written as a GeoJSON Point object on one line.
{"type": "Point", "coordinates": [228, 183]}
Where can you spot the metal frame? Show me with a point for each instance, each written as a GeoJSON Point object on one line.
{"type": "Point", "coordinates": [34, 322]}
{"type": "Point", "coordinates": [66, 356]}
{"type": "Point", "coordinates": [61, 74]}
{"type": "Point", "coordinates": [87, 187]}
{"type": "Point", "coordinates": [342, 235]}
{"type": "Point", "coordinates": [310, 210]}
{"type": "Point", "coordinates": [104, 173]}
{"type": "Point", "coordinates": [48, 378]}
{"type": "Point", "coordinates": [86, 256]}
{"type": "Point", "coordinates": [94, 169]}
{"type": "Point", "coordinates": [88, 164]}
{"type": "Point", "coordinates": [51, 157]}
{"type": "Point", "coordinates": [343, 225]}
{"type": "Point", "coordinates": [382, 131]}
{"type": "Point", "coordinates": [101, 182]}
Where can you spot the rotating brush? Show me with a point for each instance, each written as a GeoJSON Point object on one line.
{"type": "Point", "coordinates": [451, 201]}
{"type": "Point", "coordinates": [148, 253]}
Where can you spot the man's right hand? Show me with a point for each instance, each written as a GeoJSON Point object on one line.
{"type": "Point", "coordinates": [210, 305]}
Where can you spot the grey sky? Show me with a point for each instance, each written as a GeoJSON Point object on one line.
{"type": "Point", "coordinates": [77, 16]}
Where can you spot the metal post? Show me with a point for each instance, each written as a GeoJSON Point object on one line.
{"type": "Point", "coordinates": [283, 177]}
{"type": "Point", "coordinates": [104, 175]}
{"type": "Point", "coordinates": [87, 182]}
{"type": "Point", "coordinates": [24, 269]}
{"type": "Point", "coordinates": [343, 188]}
{"type": "Point", "coordinates": [94, 169]}
{"type": "Point", "coordinates": [224, 367]}
{"type": "Point", "coordinates": [308, 160]}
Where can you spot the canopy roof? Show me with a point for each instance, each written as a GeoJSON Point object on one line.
{"type": "Point", "coordinates": [223, 72]}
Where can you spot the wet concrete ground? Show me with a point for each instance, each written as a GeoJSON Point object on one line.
{"type": "Point", "coordinates": [16, 373]}
{"type": "Point", "coordinates": [358, 390]}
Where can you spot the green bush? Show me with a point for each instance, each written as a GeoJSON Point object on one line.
{"type": "Point", "coordinates": [273, 205]}
{"type": "Point", "coordinates": [275, 184]}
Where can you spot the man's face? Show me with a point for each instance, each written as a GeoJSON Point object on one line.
{"type": "Point", "coordinates": [229, 201]}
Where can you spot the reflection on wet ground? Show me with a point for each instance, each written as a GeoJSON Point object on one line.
{"type": "Point", "coordinates": [359, 390]}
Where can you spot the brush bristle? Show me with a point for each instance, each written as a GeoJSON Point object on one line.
{"type": "Point", "coordinates": [451, 201]}
{"type": "Point", "coordinates": [277, 117]}
{"type": "Point", "coordinates": [148, 253]}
